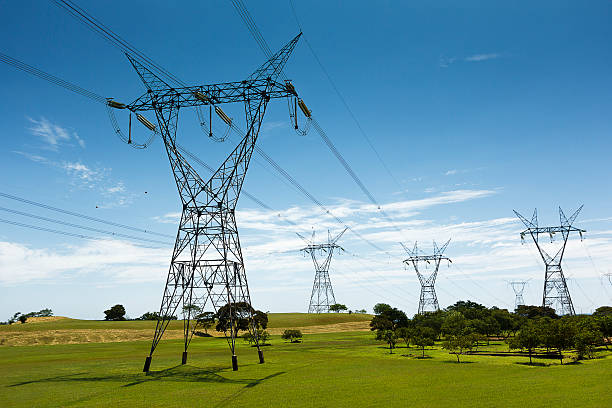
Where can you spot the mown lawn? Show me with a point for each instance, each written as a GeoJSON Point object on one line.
{"type": "Point", "coordinates": [326, 370]}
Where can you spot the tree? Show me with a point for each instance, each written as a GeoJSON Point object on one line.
{"type": "Point", "coordinates": [433, 320]}
{"type": "Point", "coordinates": [562, 333]}
{"type": "Point", "coordinates": [262, 336]}
{"type": "Point", "coordinates": [389, 337]}
{"type": "Point", "coordinates": [505, 321]}
{"type": "Point", "coordinates": [586, 337]}
{"type": "Point", "coordinates": [455, 324]}
{"type": "Point", "coordinates": [528, 338]}
{"type": "Point", "coordinates": [405, 334]}
{"type": "Point", "coordinates": [191, 310]}
{"type": "Point", "coordinates": [116, 312]}
{"type": "Point", "coordinates": [458, 344]}
{"type": "Point", "coordinates": [240, 313]}
{"type": "Point", "coordinates": [603, 311]}
{"type": "Point", "coordinates": [380, 308]}
{"type": "Point", "coordinates": [469, 309]}
{"type": "Point", "coordinates": [14, 318]}
{"type": "Point", "coordinates": [337, 307]}
{"type": "Point", "coordinates": [294, 336]}
{"type": "Point", "coordinates": [423, 337]}
{"type": "Point", "coordinates": [604, 325]}
{"type": "Point", "coordinates": [389, 319]}
{"type": "Point", "coordinates": [23, 319]}
{"type": "Point", "coordinates": [532, 312]}
{"type": "Point", "coordinates": [206, 320]}
{"type": "Point", "coordinates": [148, 316]}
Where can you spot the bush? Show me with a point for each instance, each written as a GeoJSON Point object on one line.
{"type": "Point", "coordinates": [293, 335]}
{"type": "Point", "coordinates": [262, 335]}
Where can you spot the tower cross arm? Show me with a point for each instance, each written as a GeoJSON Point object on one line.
{"type": "Point", "coordinates": [551, 230]}
{"type": "Point", "coordinates": [214, 94]}
{"type": "Point", "coordinates": [427, 258]}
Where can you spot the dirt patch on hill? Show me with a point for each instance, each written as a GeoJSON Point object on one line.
{"type": "Point", "coordinates": [44, 319]}
{"type": "Point", "coordinates": [78, 336]}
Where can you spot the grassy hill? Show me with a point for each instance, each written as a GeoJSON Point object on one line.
{"type": "Point", "coordinates": [69, 331]}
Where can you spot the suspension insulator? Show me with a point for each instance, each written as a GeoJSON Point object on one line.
{"type": "Point", "coordinates": [116, 105]}
{"type": "Point", "coordinates": [289, 86]}
{"type": "Point", "coordinates": [201, 96]}
{"type": "Point", "coordinates": [145, 122]}
{"type": "Point", "coordinates": [304, 108]}
{"type": "Point", "coordinates": [223, 116]}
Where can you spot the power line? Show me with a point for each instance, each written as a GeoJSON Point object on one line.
{"type": "Point", "coordinates": [87, 217]}
{"type": "Point", "coordinates": [342, 99]}
{"type": "Point", "coordinates": [68, 224]}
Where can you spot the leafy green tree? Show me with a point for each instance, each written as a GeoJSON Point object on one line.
{"type": "Point", "coordinates": [389, 337]}
{"type": "Point", "coordinates": [604, 325]}
{"type": "Point", "coordinates": [206, 320]}
{"type": "Point", "coordinates": [294, 336]}
{"type": "Point", "coordinates": [505, 321]}
{"type": "Point", "coordinates": [423, 337]}
{"type": "Point", "coordinates": [562, 333]}
{"type": "Point", "coordinates": [116, 312]}
{"type": "Point", "coordinates": [337, 308]}
{"type": "Point", "coordinates": [433, 320]}
{"type": "Point", "coordinates": [533, 312]}
{"type": "Point", "coordinates": [380, 308]}
{"type": "Point", "coordinates": [528, 338]}
{"type": "Point", "coordinates": [389, 319]}
{"type": "Point", "coordinates": [149, 316]}
{"type": "Point", "coordinates": [455, 324]}
{"type": "Point", "coordinates": [404, 333]}
{"type": "Point", "coordinates": [458, 344]}
{"type": "Point", "coordinates": [262, 335]}
{"type": "Point", "coordinates": [471, 310]}
{"type": "Point", "coordinates": [586, 337]}
{"type": "Point", "coordinates": [240, 313]}
{"type": "Point", "coordinates": [603, 311]}
{"type": "Point", "coordinates": [191, 310]}
{"type": "Point", "coordinates": [23, 319]}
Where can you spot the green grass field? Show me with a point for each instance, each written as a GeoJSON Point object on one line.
{"type": "Point", "coordinates": [345, 369]}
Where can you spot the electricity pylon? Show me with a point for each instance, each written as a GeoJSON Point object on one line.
{"type": "Point", "coordinates": [556, 293]}
{"type": "Point", "coordinates": [518, 287]}
{"type": "Point", "coordinates": [322, 296]}
{"type": "Point", "coordinates": [428, 301]}
{"type": "Point", "coordinates": [207, 266]}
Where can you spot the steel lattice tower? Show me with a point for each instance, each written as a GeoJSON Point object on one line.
{"type": "Point", "coordinates": [322, 296]}
{"type": "Point", "coordinates": [428, 301]}
{"type": "Point", "coordinates": [518, 287]}
{"type": "Point", "coordinates": [207, 266]}
{"type": "Point", "coordinates": [556, 293]}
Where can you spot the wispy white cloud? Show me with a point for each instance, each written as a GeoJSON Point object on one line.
{"type": "Point", "coordinates": [53, 135]}
{"type": "Point", "coordinates": [482, 57]}
{"type": "Point", "coordinates": [450, 172]}
{"type": "Point", "coordinates": [445, 62]}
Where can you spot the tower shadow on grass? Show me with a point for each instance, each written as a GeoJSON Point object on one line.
{"type": "Point", "coordinates": [180, 373]}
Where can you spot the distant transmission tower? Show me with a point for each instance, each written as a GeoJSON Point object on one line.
{"type": "Point", "coordinates": [322, 296]}
{"type": "Point", "coordinates": [609, 276]}
{"type": "Point", "coordinates": [556, 293]}
{"type": "Point", "coordinates": [518, 287]}
{"type": "Point", "coordinates": [428, 301]}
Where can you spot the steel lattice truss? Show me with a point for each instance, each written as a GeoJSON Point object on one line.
{"type": "Point", "coordinates": [207, 266]}
{"type": "Point", "coordinates": [518, 287]}
{"type": "Point", "coordinates": [556, 293]}
{"type": "Point", "coordinates": [322, 296]}
{"type": "Point", "coordinates": [428, 301]}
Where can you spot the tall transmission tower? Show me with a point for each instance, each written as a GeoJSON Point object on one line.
{"type": "Point", "coordinates": [428, 301]}
{"type": "Point", "coordinates": [207, 266]}
{"type": "Point", "coordinates": [556, 293]}
{"type": "Point", "coordinates": [322, 296]}
{"type": "Point", "coordinates": [518, 287]}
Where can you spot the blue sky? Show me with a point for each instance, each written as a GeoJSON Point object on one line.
{"type": "Point", "coordinates": [476, 109]}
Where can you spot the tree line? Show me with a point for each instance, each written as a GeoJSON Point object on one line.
{"type": "Point", "coordinates": [464, 326]}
